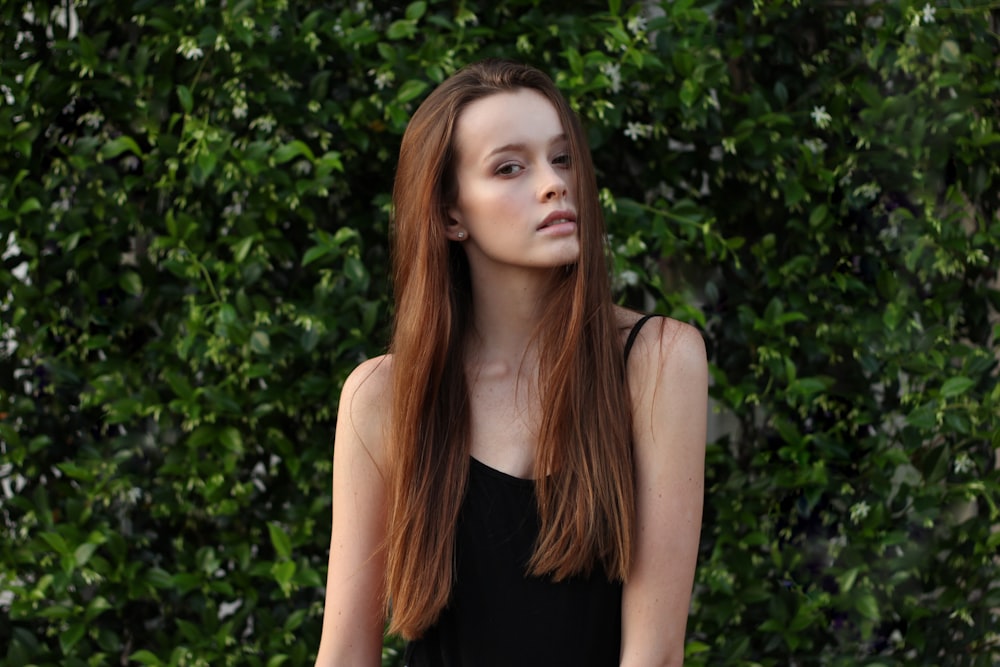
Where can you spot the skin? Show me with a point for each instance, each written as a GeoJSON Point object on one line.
{"type": "Point", "coordinates": [512, 173]}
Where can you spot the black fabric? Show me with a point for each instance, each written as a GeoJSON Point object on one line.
{"type": "Point", "coordinates": [635, 332]}
{"type": "Point", "coordinates": [499, 616]}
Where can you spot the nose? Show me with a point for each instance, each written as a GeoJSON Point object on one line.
{"type": "Point", "coordinates": [554, 184]}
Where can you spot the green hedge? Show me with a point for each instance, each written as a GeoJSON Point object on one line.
{"type": "Point", "coordinates": [193, 214]}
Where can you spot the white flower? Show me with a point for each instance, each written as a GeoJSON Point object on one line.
{"type": "Point", "coordinates": [636, 130]}
{"type": "Point", "coordinates": [821, 117]}
{"type": "Point", "coordinates": [815, 146]}
{"type": "Point", "coordinates": [608, 200]}
{"type": "Point", "coordinates": [851, 19]}
{"type": "Point", "coordinates": [869, 190]}
{"type": "Point", "coordinates": [928, 13]}
{"type": "Point", "coordinates": [637, 24]}
{"type": "Point", "coordinates": [384, 79]}
{"type": "Point", "coordinates": [614, 73]}
{"type": "Point", "coordinates": [130, 163]}
{"type": "Point", "coordinates": [189, 48]}
{"type": "Point", "coordinates": [91, 119]}
{"type": "Point", "coordinates": [266, 123]}
{"type": "Point", "coordinates": [963, 463]}
{"type": "Point", "coordinates": [859, 511]}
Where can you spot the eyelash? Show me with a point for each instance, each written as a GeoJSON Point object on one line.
{"type": "Point", "coordinates": [501, 170]}
{"type": "Point", "coordinates": [561, 160]}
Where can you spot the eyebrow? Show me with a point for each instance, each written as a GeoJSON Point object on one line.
{"type": "Point", "coordinates": [520, 146]}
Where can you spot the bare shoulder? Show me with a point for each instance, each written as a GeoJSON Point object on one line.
{"type": "Point", "coordinates": [663, 348]}
{"type": "Point", "coordinates": [370, 380]}
{"type": "Point", "coordinates": [364, 405]}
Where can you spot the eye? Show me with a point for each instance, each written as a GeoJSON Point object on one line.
{"type": "Point", "coordinates": [562, 160]}
{"type": "Point", "coordinates": [508, 169]}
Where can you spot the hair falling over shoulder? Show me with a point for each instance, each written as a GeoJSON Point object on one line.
{"type": "Point", "coordinates": [586, 496]}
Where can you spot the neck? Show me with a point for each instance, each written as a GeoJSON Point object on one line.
{"type": "Point", "coordinates": [506, 311]}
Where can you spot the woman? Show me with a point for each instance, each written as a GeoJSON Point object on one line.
{"type": "Point", "coordinates": [514, 489]}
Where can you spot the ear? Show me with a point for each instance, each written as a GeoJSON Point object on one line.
{"type": "Point", "coordinates": [454, 229]}
{"type": "Point", "coordinates": [455, 232]}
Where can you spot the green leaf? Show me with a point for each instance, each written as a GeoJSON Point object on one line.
{"type": "Point", "coordinates": [83, 553]}
{"type": "Point", "coordinates": [279, 538]}
{"type": "Point", "coordinates": [411, 89]}
{"type": "Point", "coordinates": [283, 573]}
{"type": "Point", "coordinates": [231, 439]}
{"type": "Point", "coordinates": [185, 98]}
{"type": "Point", "coordinates": [922, 417]}
{"type": "Point", "coordinates": [950, 52]}
{"type": "Point", "coordinates": [56, 541]}
{"type": "Point", "coordinates": [867, 606]}
{"type": "Point", "coordinates": [159, 578]}
{"type": "Point", "coordinates": [416, 10]}
{"type": "Point", "coordinates": [131, 283]}
{"type": "Point", "coordinates": [818, 215]}
{"type": "Point", "coordinates": [847, 579]}
{"type": "Point", "coordinates": [694, 647]}
{"type": "Point", "coordinates": [242, 248]}
{"type": "Point", "coordinates": [69, 638]}
{"type": "Point", "coordinates": [29, 205]}
{"type": "Point", "coordinates": [689, 92]}
{"type": "Point", "coordinates": [260, 342]}
{"type": "Point", "coordinates": [292, 149]}
{"type": "Point", "coordinates": [956, 386]}
{"type": "Point", "coordinates": [204, 165]}
{"type": "Point", "coordinates": [119, 145]}
{"type": "Point", "coordinates": [355, 270]}
{"type": "Point", "coordinates": [401, 29]}
{"type": "Point", "coordinates": [96, 607]}
{"type": "Point", "coordinates": [145, 657]}
{"type": "Point", "coordinates": [314, 253]}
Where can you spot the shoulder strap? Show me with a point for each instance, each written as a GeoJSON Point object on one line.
{"type": "Point", "coordinates": [635, 332]}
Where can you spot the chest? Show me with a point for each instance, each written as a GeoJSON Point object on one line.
{"type": "Point", "coordinates": [504, 423]}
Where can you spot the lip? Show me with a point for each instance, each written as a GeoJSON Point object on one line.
{"type": "Point", "coordinates": [557, 217]}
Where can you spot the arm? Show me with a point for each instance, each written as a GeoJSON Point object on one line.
{"type": "Point", "coordinates": [668, 380]}
{"type": "Point", "coordinates": [354, 615]}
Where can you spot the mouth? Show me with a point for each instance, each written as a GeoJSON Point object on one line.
{"type": "Point", "coordinates": [558, 218]}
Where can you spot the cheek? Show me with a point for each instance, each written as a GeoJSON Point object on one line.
{"type": "Point", "coordinates": [482, 201]}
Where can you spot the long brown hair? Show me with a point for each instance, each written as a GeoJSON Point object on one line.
{"type": "Point", "coordinates": [585, 491]}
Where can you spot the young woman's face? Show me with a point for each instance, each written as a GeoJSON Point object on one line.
{"type": "Point", "coordinates": [513, 170]}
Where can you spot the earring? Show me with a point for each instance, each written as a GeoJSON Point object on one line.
{"type": "Point", "coordinates": [460, 235]}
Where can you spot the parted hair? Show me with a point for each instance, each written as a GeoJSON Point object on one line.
{"type": "Point", "coordinates": [583, 465]}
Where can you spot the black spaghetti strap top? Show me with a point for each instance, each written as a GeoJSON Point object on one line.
{"type": "Point", "coordinates": [500, 616]}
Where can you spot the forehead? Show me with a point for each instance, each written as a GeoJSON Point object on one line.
{"type": "Point", "coordinates": [522, 116]}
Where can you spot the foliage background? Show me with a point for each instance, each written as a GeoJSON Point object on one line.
{"type": "Point", "coordinates": [193, 214]}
